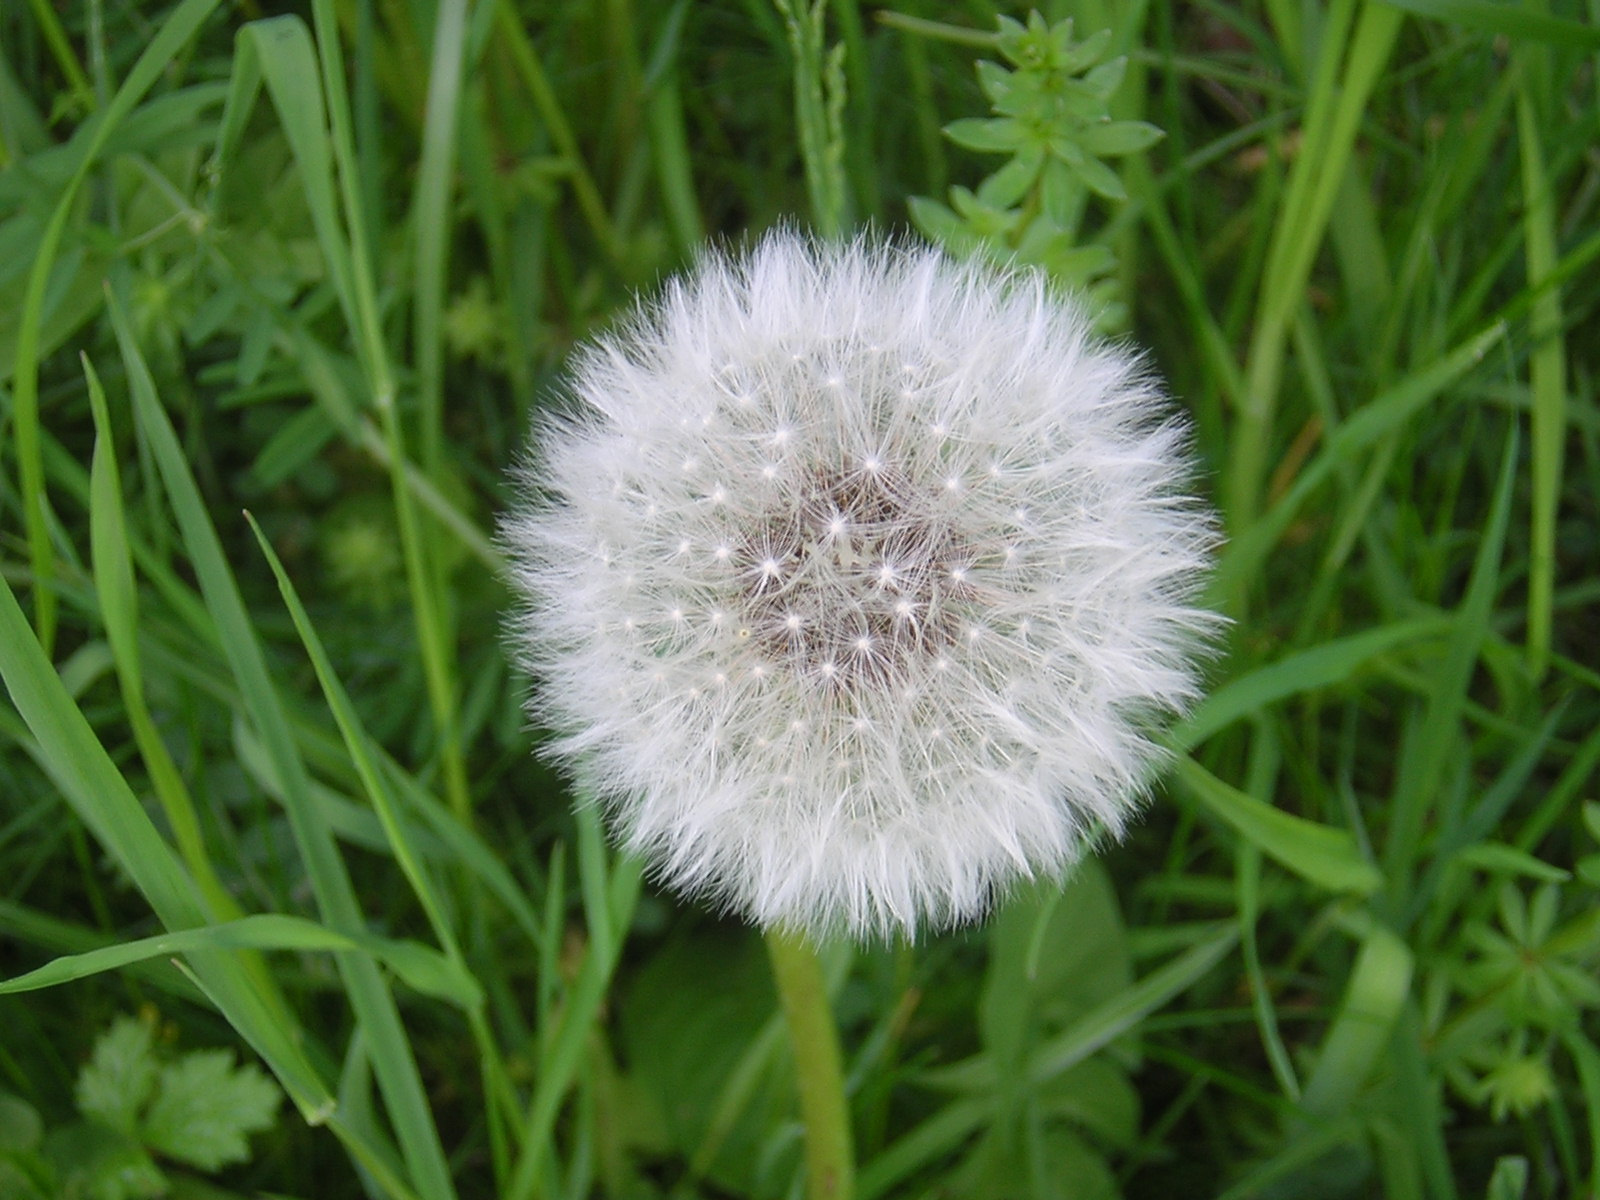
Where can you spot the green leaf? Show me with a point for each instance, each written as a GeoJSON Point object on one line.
{"type": "Point", "coordinates": [1509, 20]}
{"type": "Point", "coordinates": [1380, 983]}
{"type": "Point", "coordinates": [1061, 196]}
{"type": "Point", "coordinates": [205, 1107]}
{"type": "Point", "coordinates": [115, 1083]}
{"type": "Point", "coordinates": [1075, 58]}
{"type": "Point", "coordinates": [1106, 78]}
{"type": "Point", "coordinates": [1326, 856]}
{"type": "Point", "coordinates": [94, 1161]}
{"type": "Point", "coordinates": [1100, 179]}
{"type": "Point", "coordinates": [1054, 954]}
{"type": "Point", "coordinates": [995, 81]}
{"type": "Point", "coordinates": [1010, 183]}
{"type": "Point", "coordinates": [1115, 138]}
{"type": "Point", "coordinates": [1004, 134]}
{"type": "Point", "coordinates": [1308, 671]}
{"type": "Point", "coordinates": [20, 1126]}
{"type": "Point", "coordinates": [422, 967]}
{"type": "Point", "coordinates": [1501, 859]}
{"type": "Point", "coordinates": [1510, 1178]}
{"type": "Point", "coordinates": [683, 1041]}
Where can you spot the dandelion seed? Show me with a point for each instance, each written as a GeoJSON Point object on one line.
{"type": "Point", "coordinates": [993, 644]}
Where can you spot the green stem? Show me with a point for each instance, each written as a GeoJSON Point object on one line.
{"type": "Point", "coordinates": [830, 1159]}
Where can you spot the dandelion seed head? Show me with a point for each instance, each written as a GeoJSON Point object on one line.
{"type": "Point", "coordinates": [857, 583]}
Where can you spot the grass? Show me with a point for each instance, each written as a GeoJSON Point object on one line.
{"type": "Point", "coordinates": [265, 773]}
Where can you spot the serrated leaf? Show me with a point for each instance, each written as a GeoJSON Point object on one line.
{"type": "Point", "coordinates": [988, 133]}
{"type": "Point", "coordinates": [205, 1107]}
{"type": "Point", "coordinates": [115, 1083]}
{"type": "Point", "coordinates": [1116, 138]}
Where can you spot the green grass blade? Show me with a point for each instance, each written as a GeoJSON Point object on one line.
{"type": "Point", "coordinates": [1242, 558]}
{"type": "Point", "coordinates": [360, 748]}
{"type": "Point", "coordinates": [1422, 767]}
{"type": "Point", "coordinates": [1247, 876]}
{"type": "Point", "coordinates": [101, 798]}
{"type": "Point", "coordinates": [1326, 856]}
{"type": "Point", "coordinates": [175, 31]}
{"type": "Point", "coordinates": [1373, 1000]}
{"type": "Point", "coordinates": [1333, 116]}
{"type": "Point", "coordinates": [376, 783]}
{"type": "Point", "coordinates": [1547, 369]}
{"type": "Point", "coordinates": [532, 75]}
{"type": "Point", "coordinates": [119, 610]}
{"type": "Point", "coordinates": [1110, 1020]}
{"type": "Point", "coordinates": [369, 995]}
{"type": "Point", "coordinates": [1310, 670]}
{"type": "Point", "coordinates": [566, 1047]}
{"type": "Point", "coordinates": [432, 223]}
{"type": "Point", "coordinates": [1509, 20]}
{"type": "Point", "coordinates": [419, 967]}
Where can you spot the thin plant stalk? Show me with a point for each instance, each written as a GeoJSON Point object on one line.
{"type": "Point", "coordinates": [824, 1108]}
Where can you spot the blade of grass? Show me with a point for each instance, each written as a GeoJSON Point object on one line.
{"type": "Point", "coordinates": [1326, 856]}
{"type": "Point", "coordinates": [280, 53]}
{"type": "Point", "coordinates": [610, 909]}
{"type": "Point", "coordinates": [1508, 20]}
{"type": "Point", "coordinates": [1379, 983]}
{"type": "Point", "coordinates": [420, 967]}
{"type": "Point", "coordinates": [175, 31]}
{"type": "Point", "coordinates": [532, 74]}
{"type": "Point", "coordinates": [1547, 368]}
{"type": "Point", "coordinates": [103, 801]}
{"type": "Point", "coordinates": [1247, 877]}
{"type": "Point", "coordinates": [432, 225]}
{"type": "Point", "coordinates": [1241, 559]}
{"type": "Point", "coordinates": [374, 1005]}
{"type": "Point", "coordinates": [119, 610]}
{"type": "Point", "coordinates": [61, 50]}
{"type": "Point", "coordinates": [669, 139]}
{"type": "Point", "coordinates": [1310, 670]}
{"type": "Point", "coordinates": [434, 633]}
{"type": "Point", "coordinates": [1421, 768]}
{"type": "Point", "coordinates": [1333, 114]}
{"type": "Point", "coordinates": [363, 755]}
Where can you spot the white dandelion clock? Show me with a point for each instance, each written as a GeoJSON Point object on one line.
{"type": "Point", "coordinates": [855, 582]}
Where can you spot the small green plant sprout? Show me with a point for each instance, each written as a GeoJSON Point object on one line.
{"type": "Point", "coordinates": [1052, 115]}
{"type": "Point", "coordinates": [145, 1117]}
{"type": "Point", "coordinates": [1524, 985]}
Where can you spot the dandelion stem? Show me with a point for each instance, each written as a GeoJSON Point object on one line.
{"type": "Point", "coordinates": [830, 1162]}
